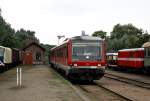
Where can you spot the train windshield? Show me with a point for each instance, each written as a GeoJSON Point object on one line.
{"type": "Point", "coordinates": [86, 51]}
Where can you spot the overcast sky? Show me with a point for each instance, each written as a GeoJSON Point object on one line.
{"type": "Point", "coordinates": [49, 18]}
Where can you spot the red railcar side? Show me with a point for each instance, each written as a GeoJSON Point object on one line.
{"type": "Point", "coordinates": [131, 58]}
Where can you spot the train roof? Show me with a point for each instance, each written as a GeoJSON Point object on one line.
{"type": "Point", "coordinates": [111, 53]}
{"type": "Point", "coordinates": [2, 47]}
{"type": "Point", "coordinates": [145, 45]}
{"type": "Point", "coordinates": [9, 49]}
{"type": "Point", "coordinates": [5, 47]}
{"type": "Point", "coordinates": [132, 49]}
{"type": "Point", "coordinates": [85, 37]}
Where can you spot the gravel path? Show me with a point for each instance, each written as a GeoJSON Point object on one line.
{"type": "Point", "coordinates": [39, 84]}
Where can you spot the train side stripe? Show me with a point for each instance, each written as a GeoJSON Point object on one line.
{"type": "Point", "coordinates": [131, 59]}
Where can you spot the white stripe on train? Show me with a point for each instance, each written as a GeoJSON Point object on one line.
{"type": "Point", "coordinates": [131, 59]}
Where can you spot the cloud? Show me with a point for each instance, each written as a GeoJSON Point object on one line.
{"type": "Point", "coordinates": [68, 17]}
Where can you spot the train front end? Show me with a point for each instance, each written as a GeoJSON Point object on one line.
{"type": "Point", "coordinates": [87, 58]}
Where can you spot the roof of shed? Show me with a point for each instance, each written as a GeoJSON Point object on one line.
{"type": "Point", "coordinates": [33, 43]}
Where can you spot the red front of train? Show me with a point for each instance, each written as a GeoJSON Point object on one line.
{"type": "Point", "coordinates": [131, 58]}
{"type": "Point", "coordinates": [81, 57]}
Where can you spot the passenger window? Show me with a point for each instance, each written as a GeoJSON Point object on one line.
{"type": "Point", "coordinates": [110, 57]}
{"type": "Point", "coordinates": [131, 55]}
{"type": "Point", "coordinates": [114, 57]}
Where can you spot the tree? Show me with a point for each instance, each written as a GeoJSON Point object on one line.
{"type": "Point", "coordinates": [6, 33]}
{"type": "Point", "coordinates": [0, 11]}
{"type": "Point", "coordinates": [126, 36]}
{"type": "Point", "coordinates": [100, 33]}
{"type": "Point", "coordinates": [47, 48]}
{"type": "Point", "coordinates": [26, 37]}
{"type": "Point", "coordinates": [10, 38]}
{"type": "Point", "coordinates": [129, 29]}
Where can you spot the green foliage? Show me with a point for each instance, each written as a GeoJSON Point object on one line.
{"type": "Point", "coordinates": [25, 37]}
{"type": "Point", "coordinates": [120, 30]}
{"type": "Point", "coordinates": [100, 33]}
{"type": "Point", "coordinates": [126, 36]}
{"type": "Point", "coordinates": [6, 33]}
{"type": "Point", "coordinates": [10, 38]}
{"type": "Point", "coordinates": [47, 48]}
{"type": "Point", "coordinates": [0, 11]}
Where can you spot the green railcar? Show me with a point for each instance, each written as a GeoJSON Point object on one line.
{"type": "Point", "coordinates": [147, 59]}
{"type": "Point", "coordinates": [147, 56]}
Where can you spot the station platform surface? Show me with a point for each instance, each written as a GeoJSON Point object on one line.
{"type": "Point", "coordinates": [39, 83]}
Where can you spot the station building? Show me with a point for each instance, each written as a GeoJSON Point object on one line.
{"type": "Point", "coordinates": [33, 54]}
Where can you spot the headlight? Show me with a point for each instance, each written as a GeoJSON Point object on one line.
{"type": "Point", "coordinates": [99, 65]}
{"type": "Point", "coordinates": [75, 64]}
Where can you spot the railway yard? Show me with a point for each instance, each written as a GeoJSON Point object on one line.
{"type": "Point", "coordinates": [105, 62]}
{"type": "Point", "coordinates": [42, 83]}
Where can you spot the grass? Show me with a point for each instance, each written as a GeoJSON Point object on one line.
{"type": "Point", "coordinates": [58, 76]}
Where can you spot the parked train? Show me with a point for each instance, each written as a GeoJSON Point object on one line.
{"type": "Point", "coordinates": [112, 59]}
{"type": "Point", "coordinates": [136, 58]}
{"type": "Point", "coordinates": [81, 58]}
{"type": "Point", "coordinates": [9, 57]}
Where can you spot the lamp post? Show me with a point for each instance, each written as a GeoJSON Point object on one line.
{"type": "Point", "coordinates": [59, 37]}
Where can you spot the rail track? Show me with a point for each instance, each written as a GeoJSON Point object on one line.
{"type": "Point", "coordinates": [101, 89]}
{"type": "Point", "coordinates": [81, 89]}
{"type": "Point", "coordinates": [128, 81]}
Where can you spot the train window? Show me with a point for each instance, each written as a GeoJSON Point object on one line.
{"type": "Point", "coordinates": [60, 52]}
{"type": "Point", "coordinates": [114, 57]}
{"type": "Point", "coordinates": [66, 52]}
{"type": "Point", "coordinates": [132, 55]}
{"type": "Point", "coordinates": [85, 51]}
{"type": "Point", "coordinates": [107, 57]}
{"type": "Point", "coordinates": [57, 53]}
{"type": "Point", "coordinates": [140, 55]}
{"type": "Point", "coordinates": [110, 57]}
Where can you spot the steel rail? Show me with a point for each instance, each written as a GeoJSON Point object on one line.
{"type": "Point", "coordinates": [122, 96]}
{"type": "Point", "coordinates": [109, 90]}
{"type": "Point", "coordinates": [128, 81]}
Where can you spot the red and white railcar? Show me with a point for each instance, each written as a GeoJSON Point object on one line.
{"type": "Point", "coordinates": [131, 58]}
{"type": "Point", "coordinates": [81, 57]}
